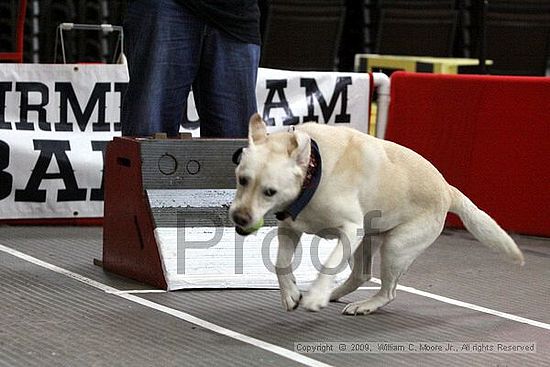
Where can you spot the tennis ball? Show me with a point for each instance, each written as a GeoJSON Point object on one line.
{"type": "Point", "coordinates": [248, 230]}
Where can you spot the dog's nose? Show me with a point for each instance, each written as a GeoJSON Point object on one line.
{"type": "Point", "coordinates": [241, 218]}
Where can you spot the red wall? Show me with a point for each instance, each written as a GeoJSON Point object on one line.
{"type": "Point", "coordinates": [488, 135]}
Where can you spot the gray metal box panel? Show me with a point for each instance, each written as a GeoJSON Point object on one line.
{"type": "Point", "coordinates": [189, 164]}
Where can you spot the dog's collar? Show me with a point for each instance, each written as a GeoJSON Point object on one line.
{"type": "Point", "coordinates": [309, 186]}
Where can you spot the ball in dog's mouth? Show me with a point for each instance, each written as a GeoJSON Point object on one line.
{"type": "Point", "coordinates": [251, 229]}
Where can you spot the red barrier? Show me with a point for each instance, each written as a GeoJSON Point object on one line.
{"type": "Point", "coordinates": [17, 55]}
{"type": "Point", "coordinates": [488, 135]}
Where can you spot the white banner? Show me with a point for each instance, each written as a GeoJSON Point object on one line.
{"type": "Point", "coordinates": [291, 97]}
{"type": "Point", "coordinates": [56, 120]}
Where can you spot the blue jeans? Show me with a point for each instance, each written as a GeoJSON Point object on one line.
{"type": "Point", "coordinates": [168, 51]}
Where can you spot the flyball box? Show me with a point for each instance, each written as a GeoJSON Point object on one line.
{"type": "Point", "coordinates": [166, 219]}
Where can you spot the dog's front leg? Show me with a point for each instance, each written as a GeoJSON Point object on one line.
{"type": "Point", "coordinates": [290, 294]}
{"type": "Point", "coordinates": [319, 294]}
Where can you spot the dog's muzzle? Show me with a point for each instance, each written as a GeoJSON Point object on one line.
{"type": "Point", "coordinates": [241, 218]}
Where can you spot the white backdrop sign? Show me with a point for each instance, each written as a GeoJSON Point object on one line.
{"type": "Point", "coordinates": [291, 97]}
{"type": "Point", "coordinates": [56, 121]}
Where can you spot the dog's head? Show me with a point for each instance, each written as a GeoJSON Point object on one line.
{"type": "Point", "coordinates": [269, 174]}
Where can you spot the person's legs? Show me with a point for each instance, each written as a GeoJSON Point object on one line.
{"type": "Point", "coordinates": [225, 88]}
{"type": "Point", "coordinates": [163, 45]}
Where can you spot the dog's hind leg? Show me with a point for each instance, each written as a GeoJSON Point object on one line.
{"type": "Point", "coordinates": [400, 248]}
{"type": "Point", "coordinates": [361, 268]}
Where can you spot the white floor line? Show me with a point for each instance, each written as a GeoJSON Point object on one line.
{"type": "Point", "coordinates": [470, 306]}
{"type": "Point", "coordinates": [283, 352]}
{"type": "Point", "coordinates": [138, 291]}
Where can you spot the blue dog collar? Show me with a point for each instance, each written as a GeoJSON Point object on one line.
{"type": "Point", "coordinates": [309, 186]}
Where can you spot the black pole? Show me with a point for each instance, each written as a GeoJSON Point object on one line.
{"type": "Point", "coordinates": [482, 41]}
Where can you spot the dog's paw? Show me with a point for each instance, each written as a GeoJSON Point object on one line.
{"type": "Point", "coordinates": [315, 301]}
{"type": "Point", "coordinates": [290, 299]}
{"type": "Point", "coordinates": [363, 307]}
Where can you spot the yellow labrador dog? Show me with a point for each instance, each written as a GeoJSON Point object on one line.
{"type": "Point", "coordinates": [325, 180]}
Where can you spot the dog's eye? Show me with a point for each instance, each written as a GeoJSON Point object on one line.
{"type": "Point", "coordinates": [270, 192]}
{"type": "Point", "coordinates": [243, 181]}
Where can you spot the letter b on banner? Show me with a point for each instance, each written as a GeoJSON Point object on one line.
{"type": "Point", "coordinates": [6, 179]}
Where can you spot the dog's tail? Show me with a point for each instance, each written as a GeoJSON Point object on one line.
{"type": "Point", "coordinates": [483, 227]}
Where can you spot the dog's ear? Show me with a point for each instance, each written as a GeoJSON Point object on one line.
{"type": "Point", "coordinates": [257, 131]}
{"type": "Point", "coordinates": [300, 148]}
